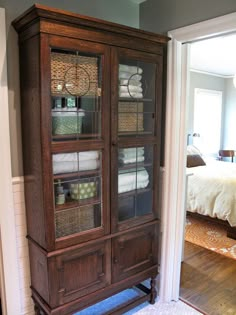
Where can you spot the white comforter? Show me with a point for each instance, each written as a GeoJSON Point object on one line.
{"type": "Point", "coordinates": [212, 190]}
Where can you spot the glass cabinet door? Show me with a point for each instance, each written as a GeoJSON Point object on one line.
{"type": "Point", "coordinates": [135, 182]}
{"type": "Point", "coordinates": [136, 139]}
{"type": "Point", "coordinates": [76, 83]}
{"type": "Point", "coordinates": [136, 106]}
{"type": "Point", "coordinates": [78, 120]}
{"type": "Point", "coordinates": [77, 192]}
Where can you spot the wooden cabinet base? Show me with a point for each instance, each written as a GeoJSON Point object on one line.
{"type": "Point", "coordinates": [145, 294]}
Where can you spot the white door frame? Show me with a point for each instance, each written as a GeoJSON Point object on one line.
{"type": "Point", "coordinates": [9, 277]}
{"type": "Point", "coordinates": [175, 148]}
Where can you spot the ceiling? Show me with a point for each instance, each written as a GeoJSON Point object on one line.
{"type": "Point", "coordinates": [215, 56]}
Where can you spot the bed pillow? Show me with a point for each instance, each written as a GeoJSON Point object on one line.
{"type": "Point", "coordinates": [194, 160]}
{"type": "Point", "coordinates": [191, 149]}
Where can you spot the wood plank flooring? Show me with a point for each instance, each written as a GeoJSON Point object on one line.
{"type": "Point", "coordinates": [208, 281]}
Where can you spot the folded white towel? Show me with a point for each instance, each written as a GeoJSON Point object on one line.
{"type": "Point", "coordinates": [133, 175]}
{"type": "Point", "coordinates": [130, 82]}
{"type": "Point", "coordinates": [127, 75]}
{"type": "Point", "coordinates": [131, 88]}
{"type": "Point", "coordinates": [130, 155]}
{"type": "Point", "coordinates": [130, 69]}
{"type": "Point", "coordinates": [132, 186]}
{"type": "Point", "coordinates": [127, 160]}
{"type": "Point", "coordinates": [76, 156]}
{"type": "Point", "coordinates": [131, 94]}
{"type": "Point", "coordinates": [137, 150]}
{"type": "Point", "coordinates": [73, 166]}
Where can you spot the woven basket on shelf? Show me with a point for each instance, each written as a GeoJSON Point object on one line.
{"type": "Point", "coordinates": [130, 116]}
{"type": "Point", "coordinates": [65, 125]}
{"type": "Point", "coordinates": [74, 220]}
{"type": "Point", "coordinates": [73, 74]}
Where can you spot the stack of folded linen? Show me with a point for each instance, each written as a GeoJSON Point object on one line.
{"type": "Point", "coordinates": [131, 155]}
{"type": "Point", "coordinates": [132, 179]}
{"type": "Point", "coordinates": [74, 162]}
{"type": "Point", "coordinates": [130, 81]}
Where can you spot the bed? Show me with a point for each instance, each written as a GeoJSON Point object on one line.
{"type": "Point", "coordinates": [211, 191]}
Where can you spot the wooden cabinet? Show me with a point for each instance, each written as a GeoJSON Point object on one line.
{"type": "Point", "coordinates": [91, 94]}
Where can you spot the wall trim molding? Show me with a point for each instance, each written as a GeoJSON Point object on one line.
{"type": "Point", "coordinates": [175, 146]}
{"type": "Point", "coordinates": [212, 74]}
{"type": "Point", "coordinates": [17, 180]}
{"type": "Point", "coordinates": [10, 287]}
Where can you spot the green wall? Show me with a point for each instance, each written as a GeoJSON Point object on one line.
{"type": "Point", "coordinates": [123, 12]}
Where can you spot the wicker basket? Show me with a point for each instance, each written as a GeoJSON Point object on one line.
{"type": "Point", "coordinates": [74, 221]}
{"type": "Point", "coordinates": [65, 125]}
{"type": "Point", "coordinates": [73, 74]}
{"type": "Point", "coordinates": [130, 116]}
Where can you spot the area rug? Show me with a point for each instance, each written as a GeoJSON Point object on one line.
{"type": "Point", "coordinates": [211, 236]}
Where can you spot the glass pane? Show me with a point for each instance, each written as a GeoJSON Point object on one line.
{"type": "Point", "coordinates": [77, 191]}
{"type": "Point", "coordinates": [76, 83]}
{"type": "Point", "coordinates": [135, 182]}
{"type": "Point", "coordinates": [136, 107]}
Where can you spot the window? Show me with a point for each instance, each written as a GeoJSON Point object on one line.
{"type": "Point", "coordinates": [207, 120]}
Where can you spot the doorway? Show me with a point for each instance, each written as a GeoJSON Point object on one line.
{"type": "Point", "coordinates": [175, 150]}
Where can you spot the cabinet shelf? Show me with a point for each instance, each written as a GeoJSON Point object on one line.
{"type": "Point", "coordinates": [76, 136]}
{"type": "Point", "coordinates": [134, 192]}
{"type": "Point", "coordinates": [135, 100]}
{"type": "Point", "coordinates": [134, 165]}
{"type": "Point", "coordinates": [77, 174]}
{"type": "Point", "coordinates": [133, 133]}
{"type": "Point", "coordinates": [77, 203]}
{"type": "Point", "coordinates": [55, 95]}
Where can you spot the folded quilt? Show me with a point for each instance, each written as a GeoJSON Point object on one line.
{"type": "Point", "coordinates": [74, 166]}
{"type": "Point", "coordinates": [127, 82]}
{"type": "Point", "coordinates": [130, 69]}
{"type": "Point", "coordinates": [131, 94]}
{"type": "Point", "coordinates": [76, 156]}
{"type": "Point", "coordinates": [131, 88]}
{"type": "Point", "coordinates": [132, 186]}
{"type": "Point", "coordinates": [127, 75]}
{"type": "Point", "coordinates": [132, 176]}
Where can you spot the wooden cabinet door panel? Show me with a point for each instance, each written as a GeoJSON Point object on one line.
{"type": "Point", "coordinates": [134, 252]}
{"type": "Point", "coordinates": [81, 272]}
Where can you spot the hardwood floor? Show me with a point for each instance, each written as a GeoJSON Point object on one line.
{"type": "Point", "coordinates": [208, 281]}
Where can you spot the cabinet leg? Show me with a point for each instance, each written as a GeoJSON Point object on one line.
{"type": "Point", "coordinates": [37, 310]}
{"type": "Point", "coordinates": [153, 291]}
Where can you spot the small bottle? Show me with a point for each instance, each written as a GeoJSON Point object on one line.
{"type": "Point", "coordinates": [60, 196]}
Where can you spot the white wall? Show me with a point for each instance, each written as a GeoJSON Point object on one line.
{"type": "Point", "coordinates": [204, 81]}
{"type": "Point", "coordinates": [26, 302]}
{"type": "Point", "coordinates": [229, 139]}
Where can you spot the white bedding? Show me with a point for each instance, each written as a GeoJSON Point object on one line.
{"type": "Point", "coordinates": [212, 190]}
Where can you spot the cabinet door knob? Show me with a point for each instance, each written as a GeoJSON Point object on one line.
{"type": "Point", "coordinates": [115, 260]}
